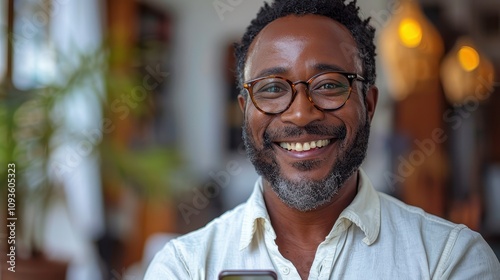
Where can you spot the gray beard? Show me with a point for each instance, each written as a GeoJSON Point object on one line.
{"type": "Point", "coordinates": [305, 194]}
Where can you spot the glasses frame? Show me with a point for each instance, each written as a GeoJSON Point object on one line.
{"type": "Point", "coordinates": [348, 75]}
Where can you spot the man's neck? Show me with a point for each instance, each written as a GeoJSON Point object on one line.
{"type": "Point", "coordinates": [298, 234]}
{"type": "Point", "coordinates": [308, 228]}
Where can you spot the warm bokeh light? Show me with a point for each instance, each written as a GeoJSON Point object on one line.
{"type": "Point", "coordinates": [468, 58]}
{"type": "Point", "coordinates": [466, 74]}
{"type": "Point", "coordinates": [410, 32]}
{"type": "Point", "coordinates": [411, 49]}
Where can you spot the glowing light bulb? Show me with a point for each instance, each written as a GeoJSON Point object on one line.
{"type": "Point", "coordinates": [468, 58]}
{"type": "Point", "coordinates": [410, 32]}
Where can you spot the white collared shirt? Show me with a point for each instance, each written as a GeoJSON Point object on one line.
{"type": "Point", "coordinates": [375, 237]}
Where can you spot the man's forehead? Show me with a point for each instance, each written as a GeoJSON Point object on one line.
{"type": "Point", "coordinates": [284, 37]}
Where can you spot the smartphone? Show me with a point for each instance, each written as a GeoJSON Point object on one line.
{"type": "Point", "coordinates": [248, 275]}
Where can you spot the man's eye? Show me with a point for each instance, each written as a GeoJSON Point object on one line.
{"type": "Point", "coordinates": [331, 86]}
{"type": "Point", "coordinates": [272, 88]}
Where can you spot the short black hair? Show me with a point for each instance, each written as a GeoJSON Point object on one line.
{"type": "Point", "coordinates": [346, 14]}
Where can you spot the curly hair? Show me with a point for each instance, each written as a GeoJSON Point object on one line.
{"type": "Point", "coordinates": [346, 14]}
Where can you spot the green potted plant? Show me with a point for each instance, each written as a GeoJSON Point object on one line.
{"type": "Point", "coordinates": [28, 141]}
{"type": "Point", "coordinates": [27, 134]}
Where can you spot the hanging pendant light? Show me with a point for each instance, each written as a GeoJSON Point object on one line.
{"type": "Point", "coordinates": [466, 73]}
{"type": "Point", "coordinates": [411, 49]}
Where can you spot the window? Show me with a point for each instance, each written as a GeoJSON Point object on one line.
{"type": "Point", "coordinates": [32, 56]}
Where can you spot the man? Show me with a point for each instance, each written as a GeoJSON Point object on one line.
{"type": "Point", "coordinates": [307, 70]}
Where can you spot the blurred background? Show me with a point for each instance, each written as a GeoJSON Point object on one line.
{"type": "Point", "coordinates": [121, 120]}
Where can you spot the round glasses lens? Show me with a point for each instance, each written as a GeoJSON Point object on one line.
{"type": "Point", "coordinates": [272, 95]}
{"type": "Point", "coordinates": [330, 90]}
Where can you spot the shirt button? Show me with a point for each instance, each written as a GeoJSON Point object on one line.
{"type": "Point", "coordinates": [285, 270]}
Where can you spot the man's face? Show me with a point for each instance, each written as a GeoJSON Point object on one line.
{"type": "Point", "coordinates": [298, 48]}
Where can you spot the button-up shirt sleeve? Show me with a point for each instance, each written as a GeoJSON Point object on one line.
{"type": "Point", "coordinates": [168, 265]}
{"type": "Point", "coordinates": [467, 256]}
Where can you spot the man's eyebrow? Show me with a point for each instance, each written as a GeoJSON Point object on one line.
{"type": "Point", "coordinates": [328, 67]}
{"type": "Point", "coordinates": [272, 71]}
{"type": "Point", "coordinates": [282, 70]}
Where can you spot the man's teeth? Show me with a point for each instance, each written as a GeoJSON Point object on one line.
{"type": "Point", "coordinates": [306, 146]}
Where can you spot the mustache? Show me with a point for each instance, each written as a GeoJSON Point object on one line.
{"type": "Point", "coordinates": [339, 132]}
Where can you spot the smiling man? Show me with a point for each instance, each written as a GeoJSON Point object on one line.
{"type": "Point", "coordinates": [307, 73]}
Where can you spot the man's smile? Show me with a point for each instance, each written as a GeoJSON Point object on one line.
{"type": "Point", "coordinates": [304, 146]}
{"type": "Point", "coordinates": [305, 149]}
{"type": "Point", "coordinates": [311, 137]}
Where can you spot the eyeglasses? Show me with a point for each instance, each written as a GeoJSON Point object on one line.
{"type": "Point", "coordinates": [326, 91]}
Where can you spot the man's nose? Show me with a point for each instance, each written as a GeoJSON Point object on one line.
{"type": "Point", "coordinates": [302, 111]}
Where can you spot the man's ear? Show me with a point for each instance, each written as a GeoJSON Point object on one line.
{"type": "Point", "coordinates": [371, 101]}
{"type": "Point", "coordinates": [242, 101]}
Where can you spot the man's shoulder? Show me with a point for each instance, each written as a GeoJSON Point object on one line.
{"type": "Point", "coordinates": [415, 225]}
{"type": "Point", "coordinates": [394, 208]}
{"type": "Point", "coordinates": [428, 243]}
{"type": "Point", "coordinates": [448, 248]}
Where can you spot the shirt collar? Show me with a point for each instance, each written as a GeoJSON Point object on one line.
{"type": "Point", "coordinates": [364, 211]}
{"type": "Point", "coordinates": [255, 211]}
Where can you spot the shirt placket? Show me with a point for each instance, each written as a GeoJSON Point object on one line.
{"type": "Point", "coordinates": [328, 252]}
{"type": "Point", "coordinates": [324, 260]}
{"type": "Point", "coordinates": [285, 268]}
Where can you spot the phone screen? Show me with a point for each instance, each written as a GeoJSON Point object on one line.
{"type": "Point", "coordinates": [247, 275]}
